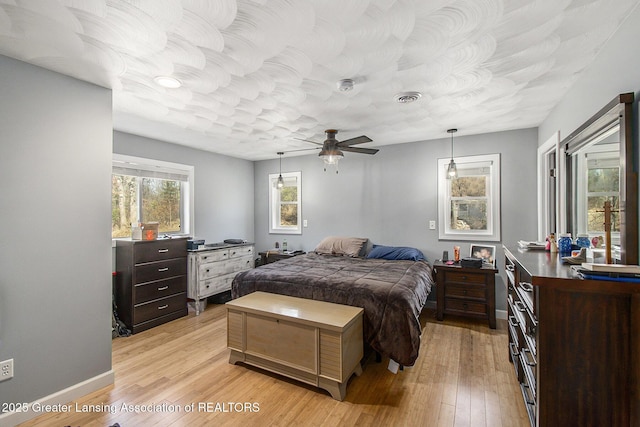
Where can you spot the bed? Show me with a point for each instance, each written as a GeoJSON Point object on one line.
{"type": "Point", "coordinates": [391, 291]}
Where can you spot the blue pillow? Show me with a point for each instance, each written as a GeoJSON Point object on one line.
{"type": "Point", "coordinates": [395, 253]}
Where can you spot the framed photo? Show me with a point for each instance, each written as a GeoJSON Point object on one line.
{"type": "Point", "coordinates": [486, 252]}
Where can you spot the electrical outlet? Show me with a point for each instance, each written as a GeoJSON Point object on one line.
{"type": "Point", "coordinates": [432, 225]}
{"type": "Point", "coordinates": [304, 223]}
{"type": "Point", "coordinates": [6, 370]}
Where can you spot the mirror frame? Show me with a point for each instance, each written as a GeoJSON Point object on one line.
{"type": "Point", "coordinates": [617, 112]}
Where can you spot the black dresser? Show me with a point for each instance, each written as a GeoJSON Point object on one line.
{"type": "Point", "coordinates": [151, 283]}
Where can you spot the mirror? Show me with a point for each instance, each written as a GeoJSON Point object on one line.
{"type": "Point", "coordinates": [599, 168]}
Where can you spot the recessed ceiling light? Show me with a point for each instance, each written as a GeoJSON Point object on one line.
{"type": "Point", "coordinates": [168, 82]}
{"type": "Point", "coordinates": [406, 97]}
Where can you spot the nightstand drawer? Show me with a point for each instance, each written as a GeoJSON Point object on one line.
{"type": "Point", "coordinates": [464, 277]}
{"type": "Point", "coordinates": [465, 306]}
{"type": "Point", "coordinates": [466, 291]}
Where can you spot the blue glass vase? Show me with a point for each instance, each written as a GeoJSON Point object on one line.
{"type": "Point", "coordinates": [564, 244]}
{"type": "Point", "coordinates": [583, 241]}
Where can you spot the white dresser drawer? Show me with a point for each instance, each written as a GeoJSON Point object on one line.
{"type": "Point", "coordinates": [241, 251]}
{"type": "Point", "coordinates": [212, 256]}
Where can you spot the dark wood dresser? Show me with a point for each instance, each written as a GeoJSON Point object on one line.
{"type": "Point", "coordinates": [466, 291]}
{"type": "Point", "coordinates": [151, 285]}
{"type": "Point", "coordinates": [574, 343]}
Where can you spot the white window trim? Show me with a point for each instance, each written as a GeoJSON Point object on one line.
{"type": "Point", "coordinates": [493, 209]}
{"type": "Point", "coordinates": [550, 145]}
{"type": "Point", "coordinates": [274, 228]}
{"type": "Point", "coordinates": [188, 222]}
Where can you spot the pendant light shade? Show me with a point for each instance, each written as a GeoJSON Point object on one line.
{"type": "Point", "coordinates": [280, 182]}
{"type": "Point", "coordinates": [452, 170]}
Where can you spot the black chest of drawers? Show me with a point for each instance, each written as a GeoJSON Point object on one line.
{"type": "Point", "coordinates": [151, 286]}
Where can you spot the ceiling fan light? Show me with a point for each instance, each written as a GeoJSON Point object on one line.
{"type": "Point", "coordinates": [331, 156]}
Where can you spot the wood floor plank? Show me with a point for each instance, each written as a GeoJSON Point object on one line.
{"type": "Point", "coordinates": [462, 377]}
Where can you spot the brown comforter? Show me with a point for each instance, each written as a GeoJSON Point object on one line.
{"type": "Point", "coordinates": [392, 294]}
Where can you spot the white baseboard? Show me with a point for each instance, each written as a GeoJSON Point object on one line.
{"type": "Point", "coordinates": [59, 398]}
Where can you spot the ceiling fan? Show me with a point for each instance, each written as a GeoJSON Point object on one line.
{"type": "Point", "coordinates": [332, 149]}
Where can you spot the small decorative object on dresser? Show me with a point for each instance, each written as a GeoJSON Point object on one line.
{"type": "Point", "coordinates": [466, 291]}
{"type": "Point", "coordinates": [485, 252]}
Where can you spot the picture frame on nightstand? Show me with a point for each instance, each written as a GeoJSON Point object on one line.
{"type": "Point", "coordinates": [486, 252]}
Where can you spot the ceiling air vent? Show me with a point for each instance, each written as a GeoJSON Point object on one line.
{"type": "Point", "coordinates": [407, 97]}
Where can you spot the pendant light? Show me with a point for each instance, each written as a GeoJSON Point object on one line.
{"type": "Point", "coordinates": [452, 170]}
{"type": "Point", "coordinates": [280, 183]}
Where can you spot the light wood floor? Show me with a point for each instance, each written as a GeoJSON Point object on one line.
{"type": "Point", "coordinates": [462, 378]}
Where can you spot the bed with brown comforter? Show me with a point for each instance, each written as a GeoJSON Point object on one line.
{"type": "Point", "coordinates": [391, 292]}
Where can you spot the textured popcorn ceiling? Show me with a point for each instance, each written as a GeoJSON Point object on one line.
{"type": "Point", "coordinates": [258, 74]}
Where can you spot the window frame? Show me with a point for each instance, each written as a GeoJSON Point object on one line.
{"type": "Point", "coordinates": [492, 161]}
{"type": "Point", "coordinates": [165, 170]}
{"type": "Point", "coordinates": [274, 204]}
{"type": "Point", "coordinates": [609, 155]}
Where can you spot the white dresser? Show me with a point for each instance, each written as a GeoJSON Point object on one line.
{"type": "Point", "coordinates": [212, 269]}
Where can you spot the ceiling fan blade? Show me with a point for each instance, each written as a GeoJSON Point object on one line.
{"type": "Point", "coordinates": [360, 150]}
{"type": "Point", "coordinates": [353, 141]}
{"type": "Point", "coordinates": [306, 140]}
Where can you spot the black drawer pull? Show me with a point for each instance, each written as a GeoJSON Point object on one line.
{"type": "Point", "coordinates": [520, 306]}
{"type": "Point", "coordinates": [164, 288]}
{"type": "Point", "coordinates": [233, 253]}
{"type": "Point", "coordinates": [162, 307]}
{"type": "Point", "coordinates": [163, 251]}
{"type": "Point", "coordinates": [163, 269]}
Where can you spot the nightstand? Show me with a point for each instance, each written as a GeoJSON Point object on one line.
{"type": "Point", "coordinates": [466, 291]}
{"type": "Point", "coordinates": [267, 257]}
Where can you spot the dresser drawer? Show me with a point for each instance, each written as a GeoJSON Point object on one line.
{"type": "Point", "coordinates": [464, 277]}
{"type": "Point", "coordinates": [241, 251]}
{"type": "Point", "coordinates": [155, 290]}
{"type": "Point", "coordinates": [160, 307]}
{"type": "Point", "coordinates": [213, 256]}
{"type": "Point", "coordinates": [159, 249]}
{"type": "Point", "coordinates": [466, 291]}
{"type": "Point", "coordinates": [160, 270]}
{"type": "Point", "coordinates": [465, 306]}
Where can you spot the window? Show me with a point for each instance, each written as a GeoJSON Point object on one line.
{"type": "Point", "coordinates": [600, 172]}
{"type": "Point", "coordinates": [469, 205]}
{"type": "Point", "coordinates": [145, 190]}
{"type": "Point", "coordinates": [285, 204]}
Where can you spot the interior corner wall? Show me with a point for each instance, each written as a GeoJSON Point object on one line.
{"type": "Point", "coordinates": [55, 246]}
{"type": "Point", "coordinates": [390, 197]}
{"type": "Point", "coordinates": [223, 185]}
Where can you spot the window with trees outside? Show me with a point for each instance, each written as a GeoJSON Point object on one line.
{"type": "Point", "coordinates": [145, 190]}
{"type": "Point", "coordinates": [469, 204]}
{"type": "Point", "coordinates": [285, 204]}
{"type": "Point", "coordinates": [600, 182]}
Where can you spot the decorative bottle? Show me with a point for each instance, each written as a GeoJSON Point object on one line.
{"type": "Point", "coordinates": [564, 244]}
{"type": "Point", "coordinates": [583, 241]}
{"type": "Point", "coordinates": [284, 245]}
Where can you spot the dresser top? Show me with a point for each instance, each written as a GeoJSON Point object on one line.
{"type": "Point", "coordinates": [219, 245]}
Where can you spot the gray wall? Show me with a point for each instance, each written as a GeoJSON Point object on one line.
{"type": "Point", "coordinates": [390, 197]}
{"type": "Point", "coordinates": [55, 246]}
{"type": "Point", "coordinates": [223, 185]}
{"type": "Point", "coordinates": [616, 70]}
